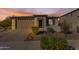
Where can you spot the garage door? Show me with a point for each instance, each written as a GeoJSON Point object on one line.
{"type": "Point", "coordinates": [25, 25]}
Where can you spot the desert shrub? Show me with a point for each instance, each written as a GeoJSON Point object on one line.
{"type": "Point", "coordinates": [35, 29]}
{"type": "Point", "coordinates": [77, 29]}
{"type": "Point", "coordinates": [50, 30]}
{"type": "Point", "coordinates": [34, 32]}
{"type": "Point", "coordinates": [53, 43]}
{"type": "Point", "coordinates": [65, 27]}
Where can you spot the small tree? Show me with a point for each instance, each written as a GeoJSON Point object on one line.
{"type": "Point", "coordinates": [5, 24]}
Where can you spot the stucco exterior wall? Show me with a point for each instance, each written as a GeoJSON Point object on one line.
{"type": "Point", "coordinates": [72, 18]}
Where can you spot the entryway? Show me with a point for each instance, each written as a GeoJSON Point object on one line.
{"type": "Point", "coordinates": [40, 23]}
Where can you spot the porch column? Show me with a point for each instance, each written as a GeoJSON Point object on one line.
{"type": "Point", "coordinates": [35, 22]}
{"type": "Point", "coordinates": [44, 23]}
{"type": "Point", "coordinates": [56, 22]}
{"type": "Point", "coordinates": [13, 24]}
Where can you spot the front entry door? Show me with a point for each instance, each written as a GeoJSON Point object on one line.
{"type": "Point", "coordinates": [40, 23]}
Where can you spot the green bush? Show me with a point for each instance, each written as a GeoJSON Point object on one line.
{"type": "Point", "coordinates": [53, 43]}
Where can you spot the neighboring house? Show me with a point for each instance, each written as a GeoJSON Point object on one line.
{"type": "Point", "coordinates": [73, 18]}
{"type": "Point", "coordinates": [27, 22]}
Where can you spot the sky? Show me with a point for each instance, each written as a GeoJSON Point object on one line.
{"type": "Point", "coordinates": [5, 12]}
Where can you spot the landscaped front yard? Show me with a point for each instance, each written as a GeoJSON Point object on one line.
{"type": "Point", "coordinates": [15, 40]}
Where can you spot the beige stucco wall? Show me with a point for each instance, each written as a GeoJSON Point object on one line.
{"type": "Point", "coordinates": [35, 22]}
{"type": "Point", "coordinates": [72, 18]}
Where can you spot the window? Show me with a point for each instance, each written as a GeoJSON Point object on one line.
{"type": "Point", "coordinates": [50, 21]}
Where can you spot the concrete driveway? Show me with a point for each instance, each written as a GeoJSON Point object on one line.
{"type": "Point", "coordinates": [12, 36]}
{"type": "Point", "coordinates": [14, 40]}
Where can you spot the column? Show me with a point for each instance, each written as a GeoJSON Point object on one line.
{"type": "Point", "coordinates": [13, 24]}
{"type": "Point", "coordinates": [56, 22]}
{"type": "Point", "coordinates": [44, 23]}
{"type": "Point", "coordinates": [35, 22]}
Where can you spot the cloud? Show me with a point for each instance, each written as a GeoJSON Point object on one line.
{"type": "Point", "coordinates": [4, 12]}
{"type": "Point", "coordinates": [43, 10]}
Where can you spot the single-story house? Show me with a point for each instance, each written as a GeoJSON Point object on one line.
{"type": "Point", "coordinates": [27, 22]}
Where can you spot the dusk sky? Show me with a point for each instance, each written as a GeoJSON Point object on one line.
{"type": "Point", "coordinates": [5, 12]}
